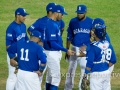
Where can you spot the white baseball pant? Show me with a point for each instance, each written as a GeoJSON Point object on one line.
{"type": "Point", "coordinates": [53, 67]}
{"type": "Point", "coordinates": [27, 81]}
{"type": "Point", "coordinates": [73, 61]}
{"type": "Point", "coordinates": [100, 80]}
{"type": "Point", "coordinates": [11, 80]}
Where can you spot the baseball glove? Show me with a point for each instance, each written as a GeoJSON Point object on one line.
{"type": "Point", "coordinates": [85, 83]}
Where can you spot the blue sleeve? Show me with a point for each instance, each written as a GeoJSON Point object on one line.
{"type": "Point", "coordinates": [107, 37]}
{"type": "Point", "coordinates": [9, 36]}
{"type": "Point", "coordinates": [90, 57]}
{"type": "Point", "coordinates": [34, 26]}
{"type": "Point", "coordinates": [41, 56]}
{"type": "Point", "coordinates": [57, 46]}
{"type": "Point", "coordinates": [70, 32]}
{"type": "Point", "coordinates": [113, 56]}
{"type": "Point", "coordinates": [12, 50]}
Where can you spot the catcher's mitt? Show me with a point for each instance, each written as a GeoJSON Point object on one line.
{"type": "Point", "coordinates": [85, 83]}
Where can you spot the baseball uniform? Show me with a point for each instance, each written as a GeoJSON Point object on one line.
{"type": "Point", "coordinates": [78, 33]}
{"type": "Point", "coordinates": [28, 62]}
{"type": "Point", "coordinates": [98, 57]}
{"type": "Point", "coordinates": [14, 33]}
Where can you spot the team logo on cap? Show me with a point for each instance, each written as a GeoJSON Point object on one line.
{"type": "Point", "coordinates": [58, 10]}
{"type": "Point", "coordinates": [24, 10]}
{"type": "Point", "coordinates": [79, 8]}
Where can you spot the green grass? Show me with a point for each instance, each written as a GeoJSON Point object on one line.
{"type": "Point", "coordinates": [106, 9]}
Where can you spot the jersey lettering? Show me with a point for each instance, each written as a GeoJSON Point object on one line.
{"type": "Point", "coordinates": [21, 36]}
{"type": "Point", "coordinates": [81, 30]}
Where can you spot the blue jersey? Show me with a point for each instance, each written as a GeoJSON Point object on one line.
{"type": "Point", "coordinates": [52, 32]}
{"type": "Point", "coordinates": [99, 55]}
{"type": "Point", "coordinates": [79, 31]}
{"type": "Point", "coordinates": [15, 32]}
{"type": "Point", "coordinates": [28, 57]}
{"type": "Point", "coordinates": [39, 25]}
{"type": "Point", "coordinates": [61, 25]}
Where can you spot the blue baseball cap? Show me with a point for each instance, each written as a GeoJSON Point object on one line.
{"type": "Point", "coordinates": [50, 6]}
{"type": "Point", "coordinates": [81, 9]}
{"type": "Point", "coordinates": [21, 11]}
{"type": "Point", "coordinates": [100, 28]}
{"type": "Point", "coordinates": [97, 21]}
{"type": "Point", "coordinates": [59, 9]}
{"type": "Point", "coordinates": [36, 33]}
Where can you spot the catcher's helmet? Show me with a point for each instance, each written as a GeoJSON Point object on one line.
{"type": "Point", "coordinates": [99, 28]}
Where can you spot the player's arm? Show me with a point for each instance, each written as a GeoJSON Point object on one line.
{"type": "Point", "coordinates": [55, 45]}
{"type": "Point", "coordinates": [12, 50]}
{"type": "Point", "coordinates": [42, 58]}
{"type": "Point", "coordinates": [9, 38]}
{"type": "Point", "coordinates": [90, 59]}
{"type": "Point", "coordinates": [34, 26]}
{"type": "Point", "coordinates": [113, 57]}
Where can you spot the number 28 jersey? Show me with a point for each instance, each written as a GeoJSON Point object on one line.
{"type": "Point", "coordinates": [99, 55]}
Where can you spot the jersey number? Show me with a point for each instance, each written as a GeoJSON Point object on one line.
{"type": "Point", "coordinates": [26, 54]}
{"type": "Point", "coordinates": [106, 54]}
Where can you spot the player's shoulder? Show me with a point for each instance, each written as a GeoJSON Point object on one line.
{"type": "Point", "coordinates": [89, 19]}
{"type": "Point", "coordinates": [74, 19]}
{"type": "Point", "coordinates": [11, 26]}
{"type": "Point", "coordinates": [42, 19]}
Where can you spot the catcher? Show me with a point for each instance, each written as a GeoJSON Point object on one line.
{"type": "Point", "coordinates": [100, 57]}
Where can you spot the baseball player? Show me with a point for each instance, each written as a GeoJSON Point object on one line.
{"type": "Point", "coordinates": [78, 34]}
{"type": "Point", "coordinates": [28, 62]}
{"type": "Point", "coordinates": [40, 24]}
{"type": "Point", "coordinates": [100, 57]}
{"type": "Point", "coordinates": [53, 47]}
{"type": "Point", "coordinates": [15, 32]}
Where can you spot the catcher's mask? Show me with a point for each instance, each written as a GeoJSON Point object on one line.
{"type": "Point", "coordinates": [99, 28]}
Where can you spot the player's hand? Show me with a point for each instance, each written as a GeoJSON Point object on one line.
{"type": "Point", "coordinates": [70, 52]}
{"type": "Point", "coordinates": [39, 73]}
{"type": "Point", "coordinates": [13, 62]}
